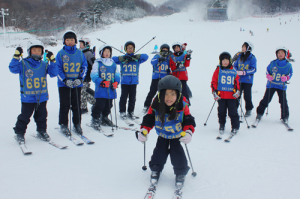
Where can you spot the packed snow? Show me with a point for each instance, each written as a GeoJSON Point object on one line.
{"type": "Point", "coordinates": [258, 163]}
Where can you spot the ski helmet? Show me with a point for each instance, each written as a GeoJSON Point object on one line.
{"type": "Point", "coordinates": [129, 43]}
{"type": "Point", "coordinates": [170, 82]}
{"type": "Point", "coordinates": [249, 46]}
{"type": "Point", "coordinates": [282, 48]}
{"type": "Point", "coordinates": [35, 43]}
{"type": "Point", "coordinates": [69, 34]}
{"type": "Point", "coordinates": [163, 53]}
{"type": "Point", "coordinates": [176, 44]}
{"type": "Point", "coordinates": [86, 42]}
{"type": "Point", "coordinates": [225, 55]}
{"type": "Point", "coordinates": [103, 47]}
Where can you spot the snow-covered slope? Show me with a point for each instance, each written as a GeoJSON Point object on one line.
{"type": "Point", "coordinates": [258, 163]}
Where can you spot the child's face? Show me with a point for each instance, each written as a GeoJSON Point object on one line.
{"type": "Point", "coordinates": [129, 49]}
{"type": "Point", "coordinates": [170, 97]}
{"type": "Point", "coordinates": [244, 48]}
{"type": "Point", "coordinates": [281, 54]}
{"type": "Point", "coordinates": [36, 51]}
{"type": "Point", "coordinates": [106, 53]}
{"type": "Point", "coordinates": [81, 45]}
{"type": "Point", "coordinates": [225, 62]}
{"type": "Point", "coordinates": [177, 49]}
{"type": "Point", "coordinates": [70, 42]}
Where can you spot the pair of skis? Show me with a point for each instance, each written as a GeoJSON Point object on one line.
{"type": "Point", "coordinates": [287, 126]}
{"type": "Point", "coordinates": [220, 136]}
{"type": "Point", "coordinates": [152, 190]}
{"type": "Point", "coordinates": [26, 151]}
{"type": "Point", "coordinates": [75, 141]}
{"type": "Point", "coordinates": [101, 131]}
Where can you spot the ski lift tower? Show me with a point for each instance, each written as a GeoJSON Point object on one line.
{"type": "Point", "coordinates": [3, 15]}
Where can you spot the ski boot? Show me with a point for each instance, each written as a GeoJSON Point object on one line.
{"type": "Point", "coordinates": [154, 177]}
{"type": "Point", "coordinates": [77, 129]}
{"type": "Point", "coordinates": [248, 113]}
{"type": "Point", "coordinates": [106, 122]}
{"type": "Point", "coordinates": [179, 181]}
{"type": "Point", "coordinates": [234, 132]}
{"type": "Point", "coordinates": [65, 130]}
{"type": "Point", "coordinates": [95, 123]}
{"type": "Point", "coordinates": [123, 116]}
{"type": "Point", "coordinates": [221, 129]}
{"type": "Point", "coordinates": [132, 116]}
{"type": "Point", "coordinates": [20, 138]}
{"type": "Point", "coordinates": [145, 110]}
{"type": "Point", "coordinates": [43, 135]}
{"type": "Point", "coordinates": [259, 116]}
{"type": "Point", "coordinates": [285, 120]}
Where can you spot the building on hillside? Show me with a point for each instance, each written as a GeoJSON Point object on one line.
{"type": "Point", "coordinates": [217, 11]}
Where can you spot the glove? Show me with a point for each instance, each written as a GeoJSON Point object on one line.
{"type": "Point", "coordinates": [186, 137]}
{"type": "Point", "coordinates": [50, 57]}
{"type": "Point", "coordinates": [241, 73]}
{"type": "Point", "coordinates": [161, 59]}
{"type": "Point", "coordinates": [285, 78]}
{"type": "Point", "coordinates": [77, 82]}
{"type": "Point", "coordinates": [114, 85]}
{"type": "Point", "coordinates": [179, 65]}
{"type": "Point", "coordinates": [236, 94]}
{"type": "Point", "coordinates": [105, 84]}
{"type": "Point", "coordinates": [18, 53]}
{"type": "Point", "coordinates": [128, 58]}
{"type": "Point", "coordinates": [216, 96]}
{"type": "Point", "coordinates": [142, 135]}
{"type": "Point", "coordinates": [188, 57]}
{"type": "Point", "coordinates": [270, 77]}
{"type": "Point", "coordinates": [68, 83]}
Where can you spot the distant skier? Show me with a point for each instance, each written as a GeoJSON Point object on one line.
{"type": "Point", "coordinates": [45, 55]}
{"type": "Point", "coordinates": [279, 71]}
{"type": "Point", "coordinates": [246, 68]}
{"type": "Point", "coordinates": [170, 115]}
{"type": "Point", "coordinates": [130, 66]}
{"type": "Point", "coordinates": [33, 82]}
{"type": "Point", "coordinates": [90, 57]}
{"type": "Point", "coordinates": [106, 78]}
{"type": "Point", "coordinates": [226, 90]}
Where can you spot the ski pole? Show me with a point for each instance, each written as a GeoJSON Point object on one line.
{"type": "Point", "coordinates": [79, 113]}
{"type": "Point", "coordinates": [243, 115]}
{"type": "Point", "coordinates": [115, 110]}
{"type": "Point", "coordinates": [268, 100]}
{"type": "Point", "coordinates": [283, 103]}
{"type": "Point", "coordinates": [194, 174]}
{"type": "Point", "coordinates": [145, 44]}
{"type": "Point", "coordinates": [209, 113]}
{"type": "Point", "coordinates": [241, 97]}
{"type": "Point", "coordinates": [111, 46]}
{"type": "Point", "coordinates": [144, 167]}
{"type": "Point", "coordinates": [112, 126]}
{"type": "Point", "coordinates": [70, 114]}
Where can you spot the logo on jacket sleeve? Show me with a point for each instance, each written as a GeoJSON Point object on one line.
{"type": "Point", "coordinates": [65, 58]}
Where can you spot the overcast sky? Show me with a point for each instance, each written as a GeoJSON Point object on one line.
{"type": "Point", "coordinates": [156, 2]}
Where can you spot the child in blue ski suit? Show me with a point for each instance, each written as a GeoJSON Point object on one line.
{"type": "Point", "coordinates": [72, 68]}
{"type": "Point", "coordinates": [34, 88]}
{"type": "Point", "coordinates": [129, 67]}
{"type": "Point", "coordinates": [279, 71]}
{"type": "Point", "coordinates": [106, 78]}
